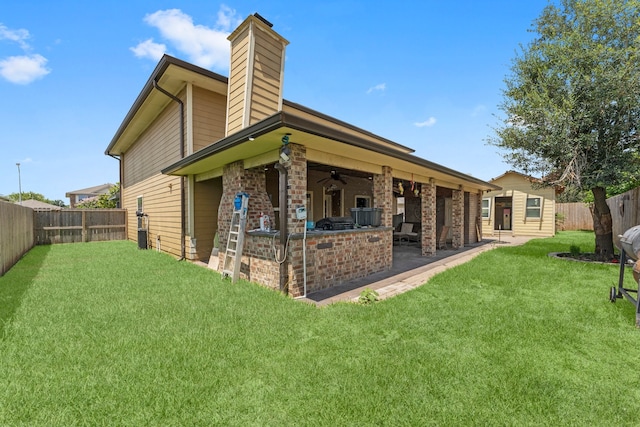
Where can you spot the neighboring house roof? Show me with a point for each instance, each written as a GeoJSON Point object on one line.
{"type": "Point", "coordinates": [306, 126]}
{"type": "Point", "coordinates": [97, 190]}
{"type": "Point", "coordinates": [559, 188]}
{"type": "Point", "coordinates": [525, 176]}
{"type": "Point", "coordinates": [38, 205]}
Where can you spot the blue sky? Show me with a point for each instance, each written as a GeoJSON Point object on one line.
{"type": "Point", "coordinates": [426, 74]}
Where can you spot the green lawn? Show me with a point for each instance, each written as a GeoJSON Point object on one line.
{"type": "Point", "coordinates": [105, 334]}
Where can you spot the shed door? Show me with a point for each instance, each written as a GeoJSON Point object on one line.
{"type": "Point", "coordinates": [503, 213]}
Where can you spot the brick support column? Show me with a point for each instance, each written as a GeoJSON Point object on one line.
{"type": "Point", "coordinates": [429, 229]}
{"type": "Point", "coordinates": [232, 183]}
{"type": "Point", "coordinates": [296, 197]}
{"type": "Point", "coordinates": [237, 179]}
{"type": "Point", "coordinates": [479, 212]}
{"type": "Point", "coordinates": [383, 195]}
{"type": "Point", "coordinates": [457, 222]}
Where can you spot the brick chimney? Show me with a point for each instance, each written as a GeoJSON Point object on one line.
{"type": "Point", "coordinates": [256, 74]}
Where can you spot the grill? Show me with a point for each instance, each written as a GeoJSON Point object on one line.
{"type": "Point", "coordinates": [336, 223]}
{"type": "Point", "coordinates": [630, 242]}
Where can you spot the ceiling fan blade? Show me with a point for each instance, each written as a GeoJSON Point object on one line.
{"type": "Point", "coordinates": [342, 181]}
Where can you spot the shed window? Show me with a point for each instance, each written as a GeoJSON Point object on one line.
{"type": "Point", "coordinates": [534, 205]}
{"type": "Point", "coordinates": [486, 205]}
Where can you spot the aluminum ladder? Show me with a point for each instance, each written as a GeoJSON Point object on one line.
{"type": "Point", "coordinates": [235, 242]}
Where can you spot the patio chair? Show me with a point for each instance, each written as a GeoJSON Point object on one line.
{"type": "Point", "coordinates": [442, 241]}
{"type": "Point", "coordinates": [406, 231]}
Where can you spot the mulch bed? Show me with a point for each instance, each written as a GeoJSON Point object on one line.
{"type": "Point", "coordinates": [584, 257]}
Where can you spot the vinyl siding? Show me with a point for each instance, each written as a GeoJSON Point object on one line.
{"type": "Point", "coordinates": [157, 147]}
{"type": "Point", "coordinates": [237, 81]}
{"type": "Point", "coordinates": [519, 189]}
{"type": "Point", "coordinates": [209, 110]}
{"type": "Point", "coordinates": [265, 97]}
{"type": "Point", "coordinates": [161, 201]}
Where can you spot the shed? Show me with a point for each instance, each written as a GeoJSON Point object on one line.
{"type": "Point", "coordinates": [523, 207]}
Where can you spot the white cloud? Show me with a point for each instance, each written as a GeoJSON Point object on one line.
{"type": "Point", "coordinates": [149, 49]}
{"type": "Point", "coordinates": [380, 87]}
{"type": "Point", "coordinates": [427, 123]}
{"type": "Point", "coordinates": [19, 36]}
{"type": "Point", "coordinates": [23, 69]}
{"type": "Point", "coordinates": [478, 110]}
{"type": "Point", "coordinates": [204, 46]}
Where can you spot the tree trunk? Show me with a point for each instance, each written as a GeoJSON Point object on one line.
{"type": "Point", "coordinates": [602, 224]}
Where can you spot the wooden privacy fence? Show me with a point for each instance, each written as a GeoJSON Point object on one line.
{"type": "Point", "coordinates": [16, 234]}
{"type": "Point", "coordinates": [573, 216]}
{"type": "Point", "coordinates": [79, 225]}
{"type": "Point", "coordinates": [624, 211]}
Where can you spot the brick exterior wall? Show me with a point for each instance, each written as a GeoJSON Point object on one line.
{"type": "Point", "coordinates": [478, 207]}
{"type": "Point", "coordinates": [334, 258]}
{"type": "Point", "coordinates": [457, 222]}
{"type": "Point", "coordinates": [429, 224]}
{"type": "Point", "coordinates": [473, 218]}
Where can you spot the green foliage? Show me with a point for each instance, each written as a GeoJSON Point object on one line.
{"type": "Point", "coordinates": [572, 101]}
{"type": "Point", "coordinates": [30, 195]}
{"type": "Point", "coordinates": [368, 296]}
{"type": "Point", "coordinates": [574, 250]}
{"type": "Point", "coordinates": [103, 201]}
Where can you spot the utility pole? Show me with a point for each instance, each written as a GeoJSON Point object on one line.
{"type": "Point", "coordinates": [19, 185]}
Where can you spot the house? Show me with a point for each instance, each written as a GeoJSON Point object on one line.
{"type": "Point", "coordinates": [37, 205]}
{"type": "Point", "coordinates": [194, 139]}
{"type": "Point", "coordinates": [78, 196]}
{"type": "Point", "coordinates": [521, 208]}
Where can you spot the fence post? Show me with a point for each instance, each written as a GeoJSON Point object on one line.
{"type": "Point", "coordinates": [84, 225]}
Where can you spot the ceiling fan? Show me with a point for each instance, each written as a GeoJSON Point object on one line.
{"type": "Point", "coordinates": [335, 175]}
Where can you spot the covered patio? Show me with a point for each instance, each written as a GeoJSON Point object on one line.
{"type": "Point", "coordinates": [410, 270]}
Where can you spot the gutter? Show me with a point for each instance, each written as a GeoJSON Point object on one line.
{"type": "Point", "coordinates": [120, 175]}
{"type": "Point", "coordinates": [182, 178]}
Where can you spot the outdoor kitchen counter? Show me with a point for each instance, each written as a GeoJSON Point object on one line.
{"type": "Point", "coordinates": [318, 233]}
{"type": "Point", "coordinates": [333, 257]}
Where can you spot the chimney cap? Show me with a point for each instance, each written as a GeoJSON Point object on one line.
{"type": "Point", "coordinates": [260, 17]}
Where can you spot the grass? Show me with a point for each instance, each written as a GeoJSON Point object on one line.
{"type": "Point", "coordinates": [105, 334]}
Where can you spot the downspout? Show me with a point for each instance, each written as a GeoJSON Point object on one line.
{"type": "Point", "coordinates": [182, 198]}
{"type": "Point", "coordinates": [282, 200]}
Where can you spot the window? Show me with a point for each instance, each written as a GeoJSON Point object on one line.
{"type": "Point", "coordinates": [363, 202]}
{"type": "Point", "coordinates": [534, 206]}
{"type": "Point", "coordinates": [139, 210]}
{"type": "Point", "coordinates": [486, 211]}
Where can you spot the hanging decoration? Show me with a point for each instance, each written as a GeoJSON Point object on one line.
{"type": "Point", "coordinates": [400, 188]}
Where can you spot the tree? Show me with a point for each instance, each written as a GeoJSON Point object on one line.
{"type": "Point", "coordinates": [103, 201]}
{"type": "Point", "coordinates": [30, 195]}
{"type": "Point", "coordinates": [572, 102]}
